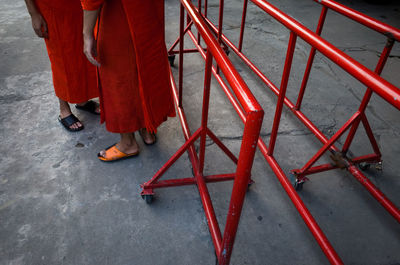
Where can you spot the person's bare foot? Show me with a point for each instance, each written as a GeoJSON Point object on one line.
{"type": "Point", "coordinates": [94, 107]}
{"type": "Point", "coordinates": [148, 138]}
{"type": "Point", "coordinates": [65, 111]}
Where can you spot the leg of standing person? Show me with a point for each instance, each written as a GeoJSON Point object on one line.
{"type": "Point", "coordinates": [48, 20]}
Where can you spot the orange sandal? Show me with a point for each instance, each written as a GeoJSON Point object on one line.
{"type": "Point", "coordinates": [113, 154]}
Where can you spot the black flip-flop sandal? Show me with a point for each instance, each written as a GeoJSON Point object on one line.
{"type": "Point", "coordinates": [68, 121]}
{"type": "Point", "coordinates": [89, 106]}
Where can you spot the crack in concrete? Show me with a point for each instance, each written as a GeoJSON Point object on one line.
{"type": "Point", "coordinates": [294, 132]}
{"type": "Point", "coordinates": [370, 108]}
{"type": "Point", "coordinates": [364, 49]}
{"type": "Point", "coordinates": [18, 98]}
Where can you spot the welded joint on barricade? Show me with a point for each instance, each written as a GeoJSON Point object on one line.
{"type": "Point", "coordinates": [299, 180]}
{"type": "Point", "coordinates": [339, 159]}
{"type": "Point", "coordinates": [390, 39]}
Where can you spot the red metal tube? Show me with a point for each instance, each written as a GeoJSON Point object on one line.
{"type": "Point", "coordinates": [363, 19]}
{"type": "Point", "coordinates": [323, 242]}
{"type": "Point", "coordinates": [182, 117]}
{"type": "Point", "coordinates": [181, 43]}
{"type": "Point", "coordinates": [383, 88]}
{"type": "Point", "coordinates": [310, 59]}
{"type": "Point", "coordinates": [302, 209]}
{"type": "Point", "coordinates": [282, 92]}
{"type": "Point", "coordinates": [328, 144]}
{"type": "Point", "coordinates": [190, 181]}
{"type": "Point", "coordinates": [204, 116]}
{"type": "Point", "coordinates": [220, 22]}
{"type": "Point", "coordinates": [367, 97]}
{"type": "Point", "coordinates": [243, 171]}
{"type": "Point", "coordinates": [209, 212]}
{"type": "Point", "coordinates": [375, 192]}
{"type": "Point", "coordinates": [243, 24]}
{"type": "Point", "coordinates": [370, 135]}
{"type": "Point", "coordinates": [173, 159]}
{"type": "Point", "coordinates": [198, 33]}
{"type": "Point", "coordinates": [222, 146]}
{"type": "Point", "coordinates": [171, 49]}
{"type": "Point", "coordinates": [242, 92]}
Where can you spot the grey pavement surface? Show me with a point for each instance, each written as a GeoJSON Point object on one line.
{"type": "Point", "coordinates": [60, 205]}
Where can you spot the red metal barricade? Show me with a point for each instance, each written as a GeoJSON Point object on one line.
{"type": "Point", "coordinates": [252, 116]}
{"type": "Point", "coordinates": [372, 80]}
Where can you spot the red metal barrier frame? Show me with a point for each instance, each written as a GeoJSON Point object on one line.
{"type": "Point", "coordinates": [374, 84]}
{"type": "Point", "coordinates": [253, 117]}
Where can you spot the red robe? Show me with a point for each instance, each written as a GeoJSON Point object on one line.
{"type": "Point", "coordinates": [135, 89]}
{"type": "Point", "coordinates": [74, 78]}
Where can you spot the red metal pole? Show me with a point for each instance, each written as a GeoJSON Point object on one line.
{"type": "Point", "coordinates": [282, 92]}
{"type": "Point", "coordinates": [204, 116]}
{"type": "Point", "coordinates": [174, 158]}
{"type": "Point", "coordinates": [309, 220]}
{"type": "Point", "coordinates": [375, 192]}
{"type": "Point", "coordinates": [198, 33]}
{"type": "Point", "coordinates": [222, 146]}
{"type": "Point", "coordinates": [367, 96]}
{"type": "Point", "coordinates": [246, 157]}
{"type": "Point", "coordinates": [243, 24]}
{"type": "Point", "coordinates": [286, 184]}
{"type": "Point", "coordinates": [171, 49]}
{"type": "Point", "coordinates": [310, 59]}
{"type": "Point", "coordinates": [382, 87]}
{"type": "Point", "coordinates": [371, 137]}
{"type": "Point", "coordinates": [181, 43]}
{"type": "Point", "coordinates": [209, 212]}
{"type": "Point", "coordinates": [328, 144]}
{"type": "Point", "coordinates": [363, 19]}
{"type": "Point", "coordinates": [220, 22]}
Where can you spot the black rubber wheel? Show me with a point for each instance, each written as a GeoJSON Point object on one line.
{"type": "Point", "coordinates": [227, 51]}
{"type": "Point", "coordinates": [171, 59]}
{"type": "Point", "coordinates": [364, 166]}
{"type": "Point", "coordinates": [148, 198]}
{"type": "Point", "coordinates": [298, 185]}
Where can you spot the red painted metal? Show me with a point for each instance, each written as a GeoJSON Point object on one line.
{"type": "Point", "coordinates": [310, 59]}
{"type": "Point", "coordinates": [372, 80]}
{"type": "Point", "coordinates": [367, 96]}
{"type": "Point", "coordinates": [282, 92]}
{"type": "Point", "coordinates": [253, 114]}
{"type": "Point", "coordinates": [300, 206]}
{"type": "Point", "coordinates": [363, 19]}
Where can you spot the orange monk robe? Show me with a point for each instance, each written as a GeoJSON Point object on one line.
{"type": "Point", "coordinates": [74, 78]}
{"type": "Point", "coordinates": [135, 89]}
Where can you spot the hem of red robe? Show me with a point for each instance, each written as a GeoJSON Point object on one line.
{"type": "Point", "coordinates": [136, 127]}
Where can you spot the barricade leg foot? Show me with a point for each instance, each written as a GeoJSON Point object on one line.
{"type": "Point", "coordinates": [299, 182]}
{"type": "Point", "coordinates": [364, 166]}
{"type": "Point", "coordinates": [148, 198]}
{"type": "Point", "coordinates": [171, 59]}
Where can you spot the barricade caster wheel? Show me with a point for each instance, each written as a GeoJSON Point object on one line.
{"type": "Point", "coordinates": [364, 166]}
{"type": "Point", "coordinates": [148, 198]}
{"type": "Point", "coordinates": [251, 182]}
{"type": "Point", "coordinates": [227, 51]}
{"type": "Point", "coordinates": [298, 185]}
{"type": "Point", "coordinates": [379, 166]}
{"type": "Point", "coordinates": [171, 59]}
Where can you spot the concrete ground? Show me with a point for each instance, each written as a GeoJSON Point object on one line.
{"type": "Point", "coordinates": [60, 205]}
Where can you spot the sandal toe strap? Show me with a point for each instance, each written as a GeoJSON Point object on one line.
{"type": "Point", "coordinates": [69, 120]}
